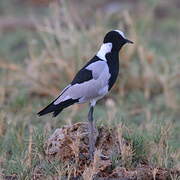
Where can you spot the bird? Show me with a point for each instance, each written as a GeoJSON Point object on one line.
{"type": "Point", "coordinates": [92, 82]}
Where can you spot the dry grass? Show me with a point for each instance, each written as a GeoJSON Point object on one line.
{"type": "Point", "coordinates": [142, 109]}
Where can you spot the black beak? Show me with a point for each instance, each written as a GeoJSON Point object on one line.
{"type": "Point", "coordinates": [128, 41]}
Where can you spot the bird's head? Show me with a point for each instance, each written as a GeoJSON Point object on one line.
{"type": "Point", "coordinates": [117, 38]}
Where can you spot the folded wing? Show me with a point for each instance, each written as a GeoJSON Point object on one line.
{"type": "Point", "coordinates": [87, 84]}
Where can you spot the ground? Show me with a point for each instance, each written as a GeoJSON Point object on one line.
{"type": "Point", "coordinates": [44, 44]}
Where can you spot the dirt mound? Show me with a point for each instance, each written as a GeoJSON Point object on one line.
{"type": "Point", "coordinates": [69, 145]}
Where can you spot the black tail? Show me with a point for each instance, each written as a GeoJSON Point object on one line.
{"type": "Point", "coordinates": [56, 109]}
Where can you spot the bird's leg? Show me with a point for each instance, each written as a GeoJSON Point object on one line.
{"type": "Point", "coordinates": [91, 132]}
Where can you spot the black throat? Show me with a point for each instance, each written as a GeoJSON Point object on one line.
{"type": "Point", "coordinates": [113, 63]}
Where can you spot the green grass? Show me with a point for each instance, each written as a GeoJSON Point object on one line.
{"type": "Point", "coordinates": [152, 125]}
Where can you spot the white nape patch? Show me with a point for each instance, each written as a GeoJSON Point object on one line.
{"type": "Point", "coordinates": [105, 48]}
{"type": "Point", "coordinates": [121, 33]}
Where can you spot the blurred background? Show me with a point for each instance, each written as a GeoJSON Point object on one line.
{"type": "Point", "coordinates": [43, 43]}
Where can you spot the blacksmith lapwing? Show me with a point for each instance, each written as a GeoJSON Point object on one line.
{"type": "Point", "coordinates": [93, 81]}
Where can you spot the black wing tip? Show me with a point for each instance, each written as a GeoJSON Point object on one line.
{"type": "Point", "coordinates": [45, 111]}
{"type": "Point", "coordinates": [54, 115]}
{"type": "Point", "coordinates": [50, 108]}
{"type": "Point", "coordinates": [54, 112]}
{"type": "Point", "coordinates": [56, 109]}
{"type": "Point", "coordinates": [40, 114]}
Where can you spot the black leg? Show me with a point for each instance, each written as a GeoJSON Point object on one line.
{"type": "Point", "coordinates": [91, 132]}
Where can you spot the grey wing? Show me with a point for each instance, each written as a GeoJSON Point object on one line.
{"type": "Point", "coordinates": [97, 68]}
{"type": "Point", "coordinates": [92, 88]}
